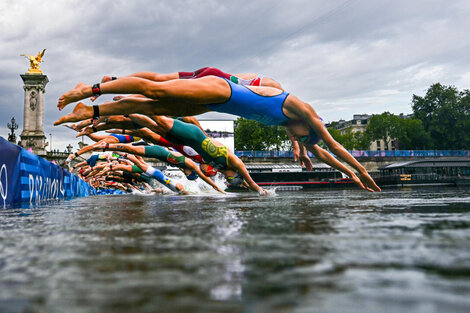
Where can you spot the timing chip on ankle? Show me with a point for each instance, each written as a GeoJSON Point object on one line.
{"type": "Point", "coordinates": [96, 112]}
{"type": "Point", "coordinates": [96, 90]}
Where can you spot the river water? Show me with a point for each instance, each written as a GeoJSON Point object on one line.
{"type": "Point", "coordinates": [401, 250]}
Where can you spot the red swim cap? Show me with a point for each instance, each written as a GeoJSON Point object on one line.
{"type": "Point", "coordinates": [210, 171]}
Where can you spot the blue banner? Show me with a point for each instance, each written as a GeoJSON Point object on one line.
{"type": "Point", "coordinates": [28, 178]}
{"type": "Point", "coordinates": [363, 153]}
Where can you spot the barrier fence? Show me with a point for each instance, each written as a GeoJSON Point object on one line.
{"type": "Point", "coordinates": [363, 153]}
{"type": "Point", "coordinates": [28, 178]}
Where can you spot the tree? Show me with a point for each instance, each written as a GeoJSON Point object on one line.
{"type": "Point", "coordinates": [445, 113]}
{"type": "Point", "coordinates": [385, 126]}
{"type": "Point", "coordinates": [413, 135]}
{"type": "Point", "coordinates": [362, 141]}
{"type": "Point", "coordinates": [252, 135]}
{"type": "Point", "coordinates": [350, 140]}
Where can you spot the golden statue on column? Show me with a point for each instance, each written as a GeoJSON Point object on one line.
{"type": "Point", "coordinates": [34, 62]}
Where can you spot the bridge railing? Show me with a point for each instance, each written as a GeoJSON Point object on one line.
{"type": "Point", "coordinates": [364, 153]}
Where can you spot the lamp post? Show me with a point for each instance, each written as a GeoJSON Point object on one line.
{"type": "Point", "coordinates": [12, 126]}
{"type": "Point", "coordinates": [50, 135]}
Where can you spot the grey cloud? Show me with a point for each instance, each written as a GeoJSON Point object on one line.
{"type": "Point", "coordinates": [343, 57]}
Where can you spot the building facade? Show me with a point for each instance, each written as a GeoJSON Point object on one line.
{"type": "Point", "coordinates": [359, 123]}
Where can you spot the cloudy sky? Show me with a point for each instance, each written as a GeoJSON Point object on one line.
{"type": "Point", "coordinates": [341, 56]}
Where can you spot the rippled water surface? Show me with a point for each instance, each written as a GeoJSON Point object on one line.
{"type": "Point", "coordinates": [402, 250]}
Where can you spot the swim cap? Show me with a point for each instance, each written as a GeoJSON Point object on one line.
{"type": "Point", "coordinates": [210, 171]}
{"type": "Point", "coordinates": [192, 176]}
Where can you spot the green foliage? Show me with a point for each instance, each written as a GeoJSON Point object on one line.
{"type": "Point", "coordinates": [445, 113]}
{"type": "Point", "coordinates": [351, 140]}
{"type": "Point", "coordinates": [362, 141]}
{"type": "Point", "coordinates": [408, 133]}
{"type": "Point", "coordinates": [252, 135]}
{"type": "Point", "coordinates": [412, 135]}
{"type": "Point", "coordinates": [385, 126]}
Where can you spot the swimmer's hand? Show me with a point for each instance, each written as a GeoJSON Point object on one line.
{"type": "Point", "coordinates": [296, 152]}
{"type": "Point", "coordinates": [368, 182]}
{"type": "Point", "coordinates": [362, 182]}
{"type": "Point", "coordinates": [306, 162]}
{"type": "Point", "coordinates": [220, 190]}
{"type": "Point", "coordinates": [262, 192]}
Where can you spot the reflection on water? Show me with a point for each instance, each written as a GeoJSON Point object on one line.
{"type": "Point", "coordinates": [324, 251]}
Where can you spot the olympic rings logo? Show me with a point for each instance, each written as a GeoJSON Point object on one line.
{"type": "Point", "coordinates": [4, 192]}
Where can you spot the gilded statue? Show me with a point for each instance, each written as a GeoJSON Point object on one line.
{"type": "Point", "coordinates": [34, 62]}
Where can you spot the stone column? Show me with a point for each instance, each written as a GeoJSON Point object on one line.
{"type": "Point", "coordinates": [33, 123]}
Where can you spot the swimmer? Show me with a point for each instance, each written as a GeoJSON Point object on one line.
{"type": "Point", "coordinates": [112, 138]}
{"type": "Point", "coordinates": [91, 161]}
{"type": "Point", "coordinates": [183, 97]}
{"type": "Point", "coordinates": [158, 175]}
{"type": "Point", "coordinates": [152, 137]}
{"type": "Point", "coordinates": [187, 151]}
{"type": "Point", "coordinates": [245, 79]}
{"type": "Point", "coordinates": [218, 156]}
{"type": "Point", "coordinates": [155, 138]}
{"type": "Point", "coordinates": [117, 121]}
{"type": "Point", "coordinates": [189, 168]}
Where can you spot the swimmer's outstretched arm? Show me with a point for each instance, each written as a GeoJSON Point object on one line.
{"type": "Point", "coordinates": [143, 133]}
{"type": "Point", "coordinates": [304, 159]}
{"type": "Point", "coordinates": [191, 165]}
{"type": "Point", "coordinates": [327, 158]}
{"type": "Point", "coordinates": [300, 154]}
{"type": "Point", "coordinates": [236, 164]}
{"type": "Point", "coordinates": [129, 148]}
{"type": "Point", "coordinates": [367, 182]}
{"type": "Point", "coordinates": [85, 149]}
{"type": "Point", "coordinates": [95, 170]}
{"type": "Point", "coordinates": [118, 167]}
{"type": "Point", "coordinates": [158, 175]}
{"type": "Point", "coordinates": [303, 109]}
{"type": "Point", "coordinates": [89, 122]}
{"type": "Point", "coordinates": [83, 163]}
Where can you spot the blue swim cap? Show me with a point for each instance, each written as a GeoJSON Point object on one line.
{"type": "Point", "coordinates": [192, 176]}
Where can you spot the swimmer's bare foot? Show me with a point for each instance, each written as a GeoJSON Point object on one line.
{"type": "Point", "coordinates": [103, 80]}
{"type": "Point", "coordinates": [79, 113]}
{"type": "Point", "coordinates": [73, 126]}
{"type": "Point", "coordinates": [81, 91]}
{"type": "Point", "coordinates": [86, 131]}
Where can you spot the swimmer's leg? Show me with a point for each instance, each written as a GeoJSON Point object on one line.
{"type": "Point", "coordinates": [133, 105]}
{"type": "Point", "coordinates": [205, 90]}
